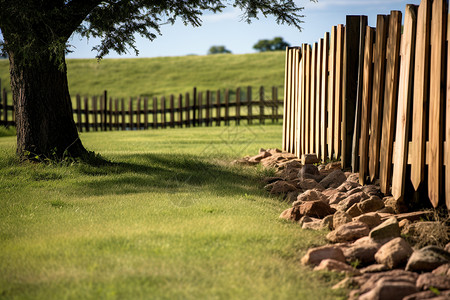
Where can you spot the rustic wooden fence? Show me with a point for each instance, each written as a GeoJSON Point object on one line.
{"type": "Point", "coordinates": [377, 99]}
{"type": "Point", "coordinates": [197, 109]}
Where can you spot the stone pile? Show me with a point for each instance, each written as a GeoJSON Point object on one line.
{"type": "Point", "coordinates": [367, 231]}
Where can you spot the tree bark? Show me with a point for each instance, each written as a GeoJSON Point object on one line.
{"type": "Point", "coordinates": [44, 115]}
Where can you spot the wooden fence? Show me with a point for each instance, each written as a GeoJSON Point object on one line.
{"type": "Point", "coordinates": [377, 99]}
{"type": "Point", "coordinates": [196, 109]}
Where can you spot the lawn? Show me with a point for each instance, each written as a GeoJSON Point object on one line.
{"type": "Point", "coordinates": [167, 218]}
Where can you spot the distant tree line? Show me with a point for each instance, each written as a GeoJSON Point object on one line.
{"type": "Point", "coordinates": [274, 44]}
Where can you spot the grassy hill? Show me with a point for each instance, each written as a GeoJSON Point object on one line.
{"type": "Point", "coordinates": [166, 75]}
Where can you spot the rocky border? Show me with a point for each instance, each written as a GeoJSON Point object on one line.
{"type": "Point", "coordinates": [367, 231]}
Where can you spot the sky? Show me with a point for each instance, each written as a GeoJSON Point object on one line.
{"type": "Point", "coordinates": [228, 30]}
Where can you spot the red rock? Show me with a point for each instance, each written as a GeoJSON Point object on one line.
{"type": "Point", "coordinates": [280, 187]}
{"type": "Point", "coordinates": [427, 259]}
{"type": "Point", "coordinates": [387, 230]}
{"type": "Point", "coordinates": [443, 295]}
{"type": "Point", "coordinates": [372, 204]}
{"type": "Point", "coordinates": [355, 198]}
{"type": "Point", "coordinates": [362, 250]}
{"type": "Point", "coordinates": [334, 179]}
{"type": "Point", "coordinates": [348, 232]}
{"type": "Point", "coordinates": [314, 225]}
{"type": "Point", "coordinates": [337, 266]}
{"type": "Point", "coordinates": [428, 280]}
{"type": "Point", "coordinates": [398, 205]}
{"type": "Point", "coordinates": [333, 166]}
{"type": "Point", "coordinates": [347, 186]}
{"type": "Point", "coordinates": [309, 184]}
{"type": "Point", "coordinates": [375, 268]}
{"type": "Point", "coordinates": [443, 270]}
{"type": "Point", "coordinates": [315, 255]}
{"type": "Point", "coordinates": [394, 253]}
{"type": "Point", "coordinates": [336, 198]}
{"type": "Point", "coordinates": [316, 209]}
{"type": "Point", "coordinates": [340, 218]}
{"type": "Point", "coordinates": [354, 210]}
{"type": "Point", "coordinates": [308, 159]}
{"type": "Point", "coordinates": [259, 157]}
{"type": "Point", "coordinates": [310, 195]}
{"type": "Point", "coordinates": [389, 291]}
{"type": "Point", "coordinates": [372, 219]}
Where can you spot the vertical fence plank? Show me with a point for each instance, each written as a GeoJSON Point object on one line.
{"type": "Point", "coordinates": [447, 127]}
{"type": "Point", "coordinates": [332, 92]}
{"type": "Point", "coordinates": [302, 104]}
{"type": "Point", "coordinates": [104, 111]}
{"type": "Point", "coordinates": [172, 111]}
{"type": "Point", "coordinates": [145, 113]}
{"type": "Point", "coordinates": [405, 90]}
{"type": "Point", "coordinates": [297, 102]}
{"type": "Point", "coordinates": [94, 112]}
{"type": "Point", "coordinates": [365, 103]}
{"type": "Point", "coordinates": [78, 110]}
{"type": "Point", "coordinates": [218, 108]}
{"type": "Point", "coordinates": [194, 106]}
{"type": "Point", "coordinates": [238, 112]}
{"type": "Point", "coordinates": [180, 111]}
{"type": "Point", "coordinates": [155, 113]}
{"type": "Point", "coordinates": [273, 103]}
{"type": "Point", "coordinates": [187, 110]}
{"type": "Point", "coordinates": [110, 113]}
{"type": "Point", "coordinates": [227, 107]}
{"type": "Point", "coordinates": [287, 100]}
{"type": "Point", "coordinates": [249, 105]}
{"type": "Point", "coordinates": [86, 113]}
{"type": "Point", "coordinates": [421, 69]}
{"type": "Point", "coordinates": [116, 113]}
{"type": "Point", "coordinates": [138, 113]}
{"type": "Point", "coordinates": [354, 40]}
{"type": "Point", "coordinates": [307, 103]}
{"type": "Point", "coordinates": [122, 106]}
{"type": "Point", "coordinates": [163, 112]}
{"type": "Point", "coordinates": [130, 114]}
{"type": "Point", "coordinates": [390, 100]}
{"type": "Point", "coordinates": [338, 90]}
{"type": "Point", "coordinates": [318, 96]}
{"type": "Point", "coordinates": [324, 98]}
{"type": "Point", "coordinates": [208, 108]}
{"type": "Point", "coordinates": [312, 103]}
{"type": "Point", "coordinates": [437, 83]}
{"type": "Point", "coordinates": [200, 108]}
{"type": "Point", "coordinates": [261, 105]}
{"type": "Point", "coordinates": [377, 95]}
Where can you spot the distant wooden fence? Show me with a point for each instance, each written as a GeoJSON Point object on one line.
{"type": "Point", "coordinates": [377, 99]}
{"type": "Point", "coordinates": [196, 109]}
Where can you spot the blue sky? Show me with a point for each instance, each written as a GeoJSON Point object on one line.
{"type": "Point", "coordinates": [239, 37]}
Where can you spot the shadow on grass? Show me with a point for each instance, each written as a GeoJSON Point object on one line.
{"type": "Point", "coordinates": [167, 173]}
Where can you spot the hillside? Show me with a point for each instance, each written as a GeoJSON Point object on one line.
{"type": "Point", "coordinates": [166, 75]}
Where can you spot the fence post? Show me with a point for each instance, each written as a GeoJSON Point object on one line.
{"type": "Point", "coordinates": [180, 110]}
{"type": "Point", "coordinates": [86, 113]}
{"type": "Point", "coordinates": [122, 106]}
{"type": "Point", "coordinates": [208, 108]}
{"type": "Point", "coordinates": [172, 113]}
{"type": "Point", "coordinates": [187, 110]}
{"type": "Point", "coordinates": [110, 113]}
{"type": "Point", "coordinates": [155, 113]}
{"type": "Point", "coordinates": [163, 112]}
{"type": "Point", "coordinates": [94, 110]}
{"type": "Point", "coordinates": [116, 113]}
{"type": "Point", "coordinates": [130, 113]}
{"type": "Point", "coordinates": [194, 107]}
{"type": "Point", "coordinates": [261, 105]}
{"type": "Point", "coordinates": [249, 105]}
{"type": "Point", "coordinates": [227, 107]}
{"type": "Point", "coordinates": [78, 110]}
{"type": "Point", "coordinates": [138, 113]}
{"type": "Point", "coordinates": [200, 106]}
{"type": "Point", "coordinates": [218, 108]}
{"type": "Point", "coordinates": [103, 113]}
{"type": "Point", "coordinates": [238, 105]}
{"type": "Point", "coordinates": [145, 113]}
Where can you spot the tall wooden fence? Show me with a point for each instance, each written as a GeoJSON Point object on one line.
{"type": "Point", "coordinates": [196, 109]}
{"type": "Point", "coordinates": [378, 99]}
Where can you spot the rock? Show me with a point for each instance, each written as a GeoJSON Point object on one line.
{"type": "Point", "coordinates": [327, 222]}
{"type": "Point", "coordinates": [403, 224]}
{"type": "Point", "coordinates": [388, 290]}
{"type": "Point", "coordinates": [414, 216]}
{"type": "Point", "coordinates": [292, 214]}
{"type": "Point", "coordinates": [372, 204]}
{"type": "Point", "coordinates": [292, 196]}
{"type": "Point", "coordinates": [443, 270]}
{"type": "Point", "coordinates": [269, 180]}
{"type": "Point", "coordinates": [315, 255]}
{"type": "Point", "coordinates": [387, 210]}
{"type": "Point", "coordinates": [334, 179]}
{"type": "Point", "coordinates": [372, 190]}
{"type": "Point", "coordinates": [244, 161]}
{"type": "Point", "coordinates": [375, 268]}
{"type": "Point", "coordinates": [447, 247]}
{"type": "Point", "coordinates": [372, 219]}
{"type": "Point", "coordinates": [347, 186]}
{"type": "Point", "coordinates": [314, 225]}
{"type": "Point", "coordinates": [345, 283]}
{"type": "Point", "coordinates": [348, 232]}
{"type": "Point", "coordinates": [443, 295]}
{"type": "Point", "coordinates": [333, 165]}
{"type": "Point", "coordinates": [309, 184]}
{"type": "Point", "coordinates": [355, 198]}
{"type": "Point", "coordinates": [337, 266]}
{"type": "Point", "coordinates": [394, 253]}
{"type": "Point", "coordinates": [353, 178]}
{"type": "Point", "coordinates": [427, 259]}
{"type": "Point", "coordinates": [336, 197]}
{"type": "Point", "coordinates": [259, 157]}
{"type": "Point", "coordinates": [362, 250]}
{"type": "Point", "coordinates": [353, 191]}
{"type": "Point", "coordinates": [354, 210]}
{"type": "Point", "coordinates": [340, 218]}
{"type": "Point", "coordinates": [427, 280]}
{"type": "Point", "coordinates": [309, 169]}
{"type": "Point", "coordinates": [305, 219]}
{"type": "Point", "coordinates": [280, 187]}
{"type": "Point", "coordinates": [291, 164]}
{"type": "Point", "coordinates": [272, 161]}
{"type": "Point", "coordinates": [316, 209]}
{"type": "Point", "coordinates": [309, 159]}
{"type": "Point", "coordinates": [310, 195]}
{"type": "Point", "coordinates": [387, 230]}
{"type": "Point", "coordinates": [398, 205]}
{"type": "Point", "coordinates": [274, 151]}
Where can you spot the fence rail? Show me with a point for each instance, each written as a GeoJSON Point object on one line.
{"type": "Point", "coordinates": [103, 113]}
{"type": "Point", "coordinates": [378, 99]}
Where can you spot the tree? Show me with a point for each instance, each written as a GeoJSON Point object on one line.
{"type": "Point", "coordinates": [35, 35]}
{"type": "Point", "coordinates": [218, 50]}
{"type": "Point", "coordinates": [271, 45]}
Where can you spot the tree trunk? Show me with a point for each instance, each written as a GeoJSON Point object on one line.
{"type": "Point", "coordinates": [44, 116]}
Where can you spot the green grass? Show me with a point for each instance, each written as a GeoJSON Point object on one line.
{"type": "Point", "coordinates": [169, 75]}
{"type": "Point", "coordinates": [168, 218]}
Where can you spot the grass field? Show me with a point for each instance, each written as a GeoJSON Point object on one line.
{"type": "Point", "coordinates": [168, 218]}
{"type": "Point", "coordinates": [166, 75]}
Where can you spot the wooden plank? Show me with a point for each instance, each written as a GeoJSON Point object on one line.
{"type": "Point", "coordinates": [94, 111]}
{"type": "Point", "coordinates": [447, 127]}
{"type": "Point", "coordinates": [78, 110]}
{"type": "Point", "coordinates": [338, 90]}
{"type": "Point", "coordinates": [390, 99]}
{"type": "Point", "coordinates": [145, 113]}
{"type": "Point", "coordinates": [357, 91]}
{"type": "Point", "coordinates": [116, 113]}
{"type": "Point", "coordinates": [298, 87]}
{"type": "Point", "coordinates": [124, 124]}
{"type": "Point", "coordinates": [302, 103]}
{"type": "Point", "coordinates": [379, 73]}
{"type": "Point", "coordinates": [312, 102]}
{"type": "Point", "coordinates": [307, 102]}
{"type": "Point", "coordinates": [285, 102]}
{"type": "Point", "coordinates": [332, 92]}
{"type": "Point", "coordinates": [110, 113]}
{"type": "Point", "coordinates": [227, 107]}
{"type": "Point", "coordinates": [405, 91]}
{"type": "Point", "coordinates": [420, 100]}
{"type": "Point", "coordinates": [130, 114]}
{"type": "Point", "coordinates": [238, 111]}
{"type": "Point", "coordinates": [318, 96]}
{"type": "Point", "coordinates": [187, 109]}
{"type": "Point", "coordinates": [437, 84]}
{"type": "Point", "coordinates": [200, 108]}
{"type": "Point", "coordinates": [155, 113]}
{"type": "Point", "coordinates": [163, 111]}
{"type": "Point", "coordinates": [138, 113]}
{"type": "Point", "coordinates": [218, 108]}
{"type": "Point", "coordinates": [324, 96]}
{"type": "Point", "coordinates": [355, 27]}
{"type": "Point", "coordinates": [86, 113]}
{"type": "Point", "coordinates": [261, 105]}
{"type": "Point", "coordinates": [180, 111]}
{"type": "Point", "coordinates": [366, 101]}
{"type": "Point", "coordinates": [172, 111]}
{"type": "Point", "coordinates": [249, 105]}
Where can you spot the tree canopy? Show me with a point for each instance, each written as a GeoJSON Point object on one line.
{"type": "Point", "coordinates": [218, 50]}
{"type": "Point", "coordinates": [275, 44]}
